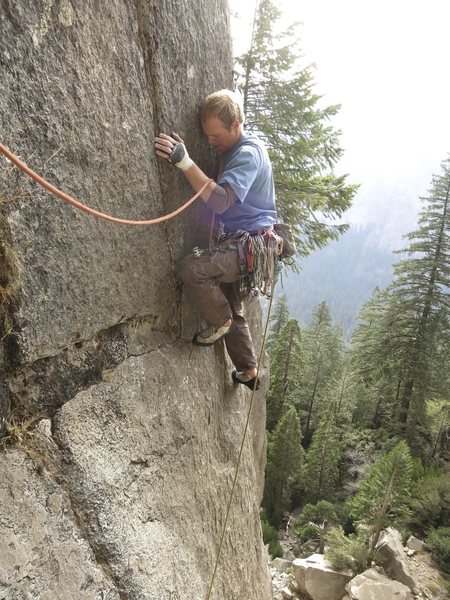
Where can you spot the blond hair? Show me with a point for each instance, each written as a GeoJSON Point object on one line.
{"type": "Point", "coordinates": [224, 105]}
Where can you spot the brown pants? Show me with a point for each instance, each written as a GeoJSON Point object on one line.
{"type": "Point", "coordinates": [211, 281]}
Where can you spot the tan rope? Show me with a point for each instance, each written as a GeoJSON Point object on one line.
{"type": "Point", "coordinates": [236, 473]}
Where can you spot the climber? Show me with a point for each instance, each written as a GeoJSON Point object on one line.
{"type": "Point", "coordinates": [244, 196]}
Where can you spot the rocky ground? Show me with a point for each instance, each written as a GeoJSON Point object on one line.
{"type": "Point", "coordinates": [427, 575]}
{"type": "Point", "coordinates": [423, 569]}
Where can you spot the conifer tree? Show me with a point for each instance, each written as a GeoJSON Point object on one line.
{"type": "Point", "coordinates": [347, 552]}
{"type": "Point", "coordinates": [401, 354]}
{"type": "Point", "coordinates": [284, 460]}
{"type": "Point", "coordinates": [376, 368]}
{"type": "Point", "coordinates": [321, 473]}
{"type": "Point", "coordinates": [439, 377]}
{"type": "Point", "coordinates": [438, 413]}
{"type": "Point", "coordinates": [286, 366]}
{"type": "Point", "coordinates": [342, 393]}
{"type": "Point", "coordinates": [281, 106]}
{"type": "Point", "coordinates": [367, 344]}
{"type": "Point", "coordinates": [323, 354]}
{"type": "Point", "coordinates": [279, 318]}
{"type": "Point", "coordinates": [383, 497]}
{"type": "Point", "coordinates": [421, 292]}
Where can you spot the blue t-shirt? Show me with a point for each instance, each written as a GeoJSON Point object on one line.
{"type": "Point", "coordinates": [248, 171]}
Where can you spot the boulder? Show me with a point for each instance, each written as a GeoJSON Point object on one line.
{"type": "Point", "coordinates": [281, 565]}
{"type": "Point", "coordinates": [317, 578]}
{"type": "Point", "coordinates": [415, 544]}
{"type": "Point", "coordinates": [390, 549]}
{"type": "Point", "coordinates": [371, 585]}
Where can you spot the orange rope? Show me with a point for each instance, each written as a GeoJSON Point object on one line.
{"type": "Point", "coordinates": [54, 190]}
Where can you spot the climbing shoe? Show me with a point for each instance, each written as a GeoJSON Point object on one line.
{"type": "Point", "coordinates": [210, 335]}
{"type": "Point", "coordinates": [241, 377]}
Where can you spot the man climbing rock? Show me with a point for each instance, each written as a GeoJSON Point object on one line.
{"type": "Point", "coordinates": [244, 197]}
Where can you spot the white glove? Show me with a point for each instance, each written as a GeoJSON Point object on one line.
{"type": "Point", "coordinates": [180, 157]}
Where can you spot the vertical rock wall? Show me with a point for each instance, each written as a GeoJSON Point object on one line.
{"type": "Point", "coordinates": [120, 491]}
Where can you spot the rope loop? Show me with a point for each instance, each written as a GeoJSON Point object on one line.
{"type": "Point", "coordinates": [91, 211]}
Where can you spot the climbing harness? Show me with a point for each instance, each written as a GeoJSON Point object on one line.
{"type": "Point", "coordinates": [258, 253]}
{"type": "Point", "coordinates": [56, 192]}
{"type": "Point", "coordinates": [244, 437]}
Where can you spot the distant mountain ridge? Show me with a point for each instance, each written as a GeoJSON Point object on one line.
{"type": "Point", "coordinates": [346, 272]}
{"type": "Point", "coordinates": [343, 274]}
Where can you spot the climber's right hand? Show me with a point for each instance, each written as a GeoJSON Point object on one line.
{"type": "Point", "coordinates": [172, 148]}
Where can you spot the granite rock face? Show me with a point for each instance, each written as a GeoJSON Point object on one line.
{"type": "Point", "coordinates": [86, 87]}
{"type": "Point", "coordinates": [133, 480]}
{"type": "Point", "coordinates": [40, 541]}
{"type": "Point", "coordinates": [122, 494]}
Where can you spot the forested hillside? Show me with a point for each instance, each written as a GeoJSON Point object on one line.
{"type": "Point", "coordinates": [359, 398]}
{"type": "Point", "coordinates": [362, 437]}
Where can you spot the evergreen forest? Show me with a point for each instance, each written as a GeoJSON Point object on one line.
{"type": "Point", "coordinates": [358, 430]}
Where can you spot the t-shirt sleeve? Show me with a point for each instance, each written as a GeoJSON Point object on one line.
{"type": "Point", "coordinates": [241, 171]}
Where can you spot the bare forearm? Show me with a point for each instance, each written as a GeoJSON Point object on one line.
{"type": "Point", "coordinates": [197, 180]}
{"type": "Point", "coordinates": [219, 198]}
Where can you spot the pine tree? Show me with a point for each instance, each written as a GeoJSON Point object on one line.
{"type": "Point", "coordinates": [286, 367]}
{"type": "Point", "coordinates": [439, 376]}
{"type": "Point", "coordinates": [284, 460]}
{"type": "Point", "coordinates": [279, 318]}
{"type": "Point", "coordinates": [421, 292]}
{"type": "Point", "coordinates": [383, 497]}
{"type": "Point", "coordinates": [323, 347]}
{"type": "Point", "coordinates": [321, 473]}
{"type": "Point", "coordinates": [430, 501]}
{"type": "Point", "coordinates": [401, 348]}
{"type": "Point", "coordinates": [376, 368]}
{"type": "Point", "coordinates": [281, 106]}
{"type": "Point", "coordinates": [344, 552]}
{"type": "Point", "coordinates": [342, 393]}
{"type": "Point", "coordinates": [367, 344]}
{"type": "Point", "coordinates": [438, 417]}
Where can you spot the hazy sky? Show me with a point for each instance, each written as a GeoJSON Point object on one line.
{"type": "Point", "coordinates": [387, 63]}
